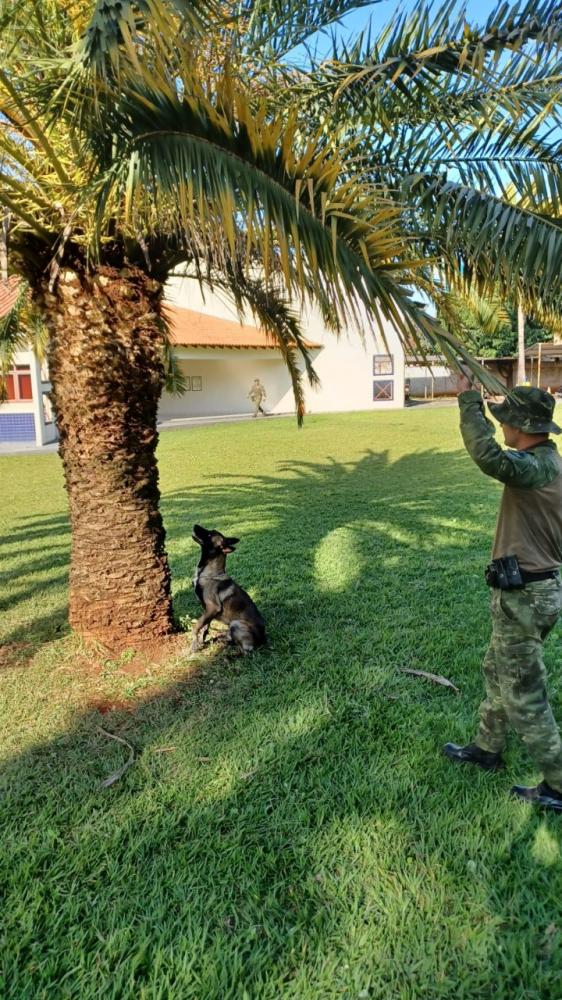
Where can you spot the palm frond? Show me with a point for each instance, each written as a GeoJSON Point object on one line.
{"type": "Point", "coordinates": [201, 169]}
{"type": "Point", "coordinates": [175, 381]}
{"type": "Point", "coordinates": [119, 28]}
{"type": "Point", "coordinates": [494, 240]}
{"type": "Point", "coordinates": [417, 47]}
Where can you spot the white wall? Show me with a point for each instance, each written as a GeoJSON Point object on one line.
{"type": "Point", "coordinates": [227, 376]}
{"type": "Point", "coordinates": [344, 365]}
{"type": "Point", "coordinates": [186, 293]}
{"type": "Point", "coordinates": [345, 368]}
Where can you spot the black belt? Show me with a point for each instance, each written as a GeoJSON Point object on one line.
{"type": "Point", "coordinates": [545, 574]}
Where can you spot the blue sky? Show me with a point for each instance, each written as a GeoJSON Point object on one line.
{"type": "Point", "coordinates": [381, 13]}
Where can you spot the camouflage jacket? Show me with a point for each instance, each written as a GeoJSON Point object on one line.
{"type": "Point", "coordinates": [530, 469]}
{"type": "Point", "coordinates": [529, 523]}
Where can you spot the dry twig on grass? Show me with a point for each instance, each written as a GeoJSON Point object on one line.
{"type": "Point", "coordinates": [120, 771]}
{"type": "Point", "coordinates": [435, 678]}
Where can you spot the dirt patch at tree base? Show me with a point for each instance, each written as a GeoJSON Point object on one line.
{"type": "Point", "coordinates": [136, 661]}
{"type": "Point", "coordinates": [122, 683]}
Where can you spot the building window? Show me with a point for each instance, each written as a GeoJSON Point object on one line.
{"type": "Point", "coordinates": [196, 383]}
{"type": "Point", "coordinates": [383, 391]}
{"type": "Point", "coordinates": [383, 364]}
{"type": "Point", "coordinates": [18, 384]}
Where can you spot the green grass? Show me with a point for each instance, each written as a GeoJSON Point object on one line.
{"type": "Point", "coordinates": [289, 828]}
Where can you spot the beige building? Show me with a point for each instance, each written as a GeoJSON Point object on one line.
{"type": "Point", "coordinates": [220, 359]}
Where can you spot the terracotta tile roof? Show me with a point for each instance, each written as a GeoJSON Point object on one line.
{"type": "Point", "coordinates": [8, 294]}
{"type": "Point", "coordinates": [196, 329]}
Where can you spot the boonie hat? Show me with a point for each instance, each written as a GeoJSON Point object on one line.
{"type": "Point", "coordinates": [528, 408]}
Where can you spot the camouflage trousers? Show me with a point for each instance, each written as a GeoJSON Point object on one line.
{"type": "Point", "coordinates": [257, 404]}
{"type": "Point", "coordinates": [515, 675]}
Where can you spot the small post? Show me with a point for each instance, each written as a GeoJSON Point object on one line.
{"type": "Point", "coordinates": [539, 366]}
{"type": "Point", "coordinates": [520, 345]}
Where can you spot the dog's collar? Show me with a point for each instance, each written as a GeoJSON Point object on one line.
{"type": "Point", "coordinates": [216, 576]}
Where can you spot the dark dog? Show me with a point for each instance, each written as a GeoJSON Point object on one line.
{"type": "Point", "coordinates": [221, 597]}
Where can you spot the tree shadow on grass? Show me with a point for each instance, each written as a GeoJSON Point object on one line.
{"type": "Point", "coordinates": [34, 559]}
{"type": "Point", "coordinates": [289, 828]}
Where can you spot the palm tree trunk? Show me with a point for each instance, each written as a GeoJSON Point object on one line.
{"type": "Point", "coordinates": [107, 375]}
{"type": "Point", "coordinates": [521, 374]}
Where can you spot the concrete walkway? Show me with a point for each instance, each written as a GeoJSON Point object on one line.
{"type": "Point", "coordinates": [21, 448]}
{"type": "Point", "coordinates": [178, 424]}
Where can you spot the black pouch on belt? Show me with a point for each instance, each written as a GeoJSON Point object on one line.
{"type": "Point", "coordinates": [504, 574]}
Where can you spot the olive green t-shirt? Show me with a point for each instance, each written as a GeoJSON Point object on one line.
{"type": "Point", "coordinates": [529, 522]}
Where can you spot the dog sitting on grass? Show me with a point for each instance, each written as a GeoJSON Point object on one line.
{"type": "Point", "coordinates": [221, 597]}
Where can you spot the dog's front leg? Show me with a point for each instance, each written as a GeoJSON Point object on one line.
{"type": "Point", "coordinates": [203, 623]}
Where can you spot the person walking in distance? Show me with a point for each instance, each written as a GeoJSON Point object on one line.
{"type": "Point", "coordinates": [257, 396]}
{"type": "Point", "coordinates": [524, 577]}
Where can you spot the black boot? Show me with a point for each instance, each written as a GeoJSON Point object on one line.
{"type": "Point", "coordinates": [540, 795]}
{"type": "Point", "coordinates": [473, 754]}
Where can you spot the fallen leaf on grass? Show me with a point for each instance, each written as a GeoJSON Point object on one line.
{"type": "Point", "coordinates": [548, 943]}
{"type": "Point", "coordinates": [164, 749]}
{"type": "Point", "coordinates": [435, 678]}
{"type": "Point", "coordinates": [121, 771]}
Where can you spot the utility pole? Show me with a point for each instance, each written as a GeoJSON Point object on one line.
{"type": "Point", "coordinates": [521, 373]}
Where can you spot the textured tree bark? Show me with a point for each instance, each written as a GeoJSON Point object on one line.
{"type": "Point", "coordinates": [107, 375]}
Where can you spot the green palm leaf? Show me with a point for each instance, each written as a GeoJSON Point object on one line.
{"type": "Point", "coordinates": [418, 47]}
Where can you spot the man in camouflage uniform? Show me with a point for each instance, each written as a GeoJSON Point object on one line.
{"type": "Point", "coordinates": [529, 527]}
{"type": "Point", "coordinates": [257, 396]}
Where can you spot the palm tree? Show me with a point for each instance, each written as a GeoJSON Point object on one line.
{"type": "Point", "coordinates": [138, 135]}
{"type": "Point", "coordinates": [122, 157]}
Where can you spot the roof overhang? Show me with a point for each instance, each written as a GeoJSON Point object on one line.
{"type": "Point", "coordinates": [191, 329]}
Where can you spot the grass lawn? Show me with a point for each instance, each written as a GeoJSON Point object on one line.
{"type": "Point", "coordinates": [289, 828]}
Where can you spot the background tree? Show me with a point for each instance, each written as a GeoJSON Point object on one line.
{"type": "Point", "coordinates": [488, 326]}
